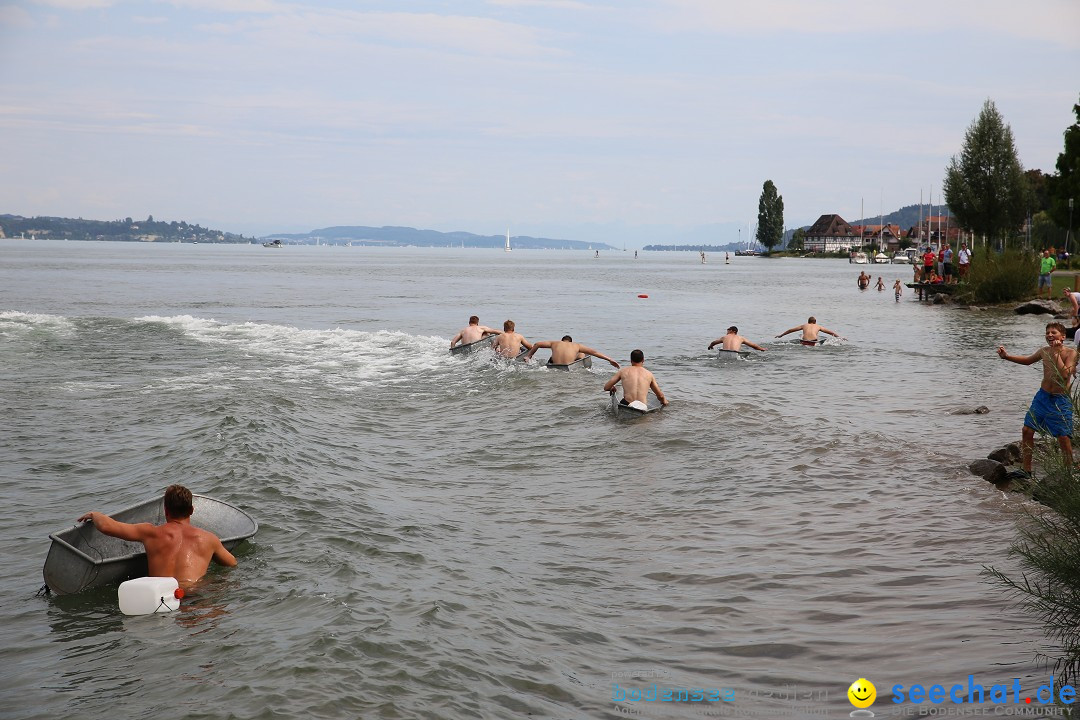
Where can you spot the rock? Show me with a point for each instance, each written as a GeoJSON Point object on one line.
{"type": "Point", "coordinates": [1001, 455]}
{"type": "Point", "coordinates": [1038, 307]}
{"type": "Point", "coordinates": [981, 410]}
{"type": "Point", "coordinates": [988, 470]}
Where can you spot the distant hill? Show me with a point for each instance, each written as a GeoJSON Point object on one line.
{"type": "Point", "coordinates": [149, 230]}
{"type": "Point", "coordinates": [905, 217]}
{"type": "Point", "coordinates": [395, 236]}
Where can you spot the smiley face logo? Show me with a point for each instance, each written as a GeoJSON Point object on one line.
{"type": "Point", "coordinates": [862, 693]}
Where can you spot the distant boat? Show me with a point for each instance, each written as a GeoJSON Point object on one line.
{"type": "Point", "coordinates": [858, 258]}
{"type": "Point", "coordinates": [273, 244]}
{"type": "Point", "coordinates": [507, 248]}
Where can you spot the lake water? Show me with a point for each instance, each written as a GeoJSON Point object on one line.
{"type": "Point", "coordinates": [441, 537]}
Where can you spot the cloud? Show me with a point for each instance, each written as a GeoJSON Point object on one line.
{"type": "Point", "coordinates": [77, 4]}
{"type": "Point", "coordinates": [548, 4]}
{"type": "Point", "coordinates": [1050, 20]}
{"type": "Point", "coordinates": [15, 17]}
{"type": "Point", "coordinates": [234, 6]}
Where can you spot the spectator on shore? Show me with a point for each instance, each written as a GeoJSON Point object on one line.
{"type": "Point", "coordinates": [964, 260]}
{"type": "Point", "coordinates": [1047, 265]}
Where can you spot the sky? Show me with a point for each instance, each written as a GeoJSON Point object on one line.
{"type": "Point", "coordinates": [626, 122]}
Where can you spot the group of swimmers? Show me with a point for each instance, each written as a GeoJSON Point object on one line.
{"type": "Point", "coordinates": [864, 282]}
{"type": "Point", "coordinates": [636, 380]}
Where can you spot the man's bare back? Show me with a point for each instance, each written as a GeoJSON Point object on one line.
{"type": "Point", "coordinates": [636, 381]}
{"type": "Point", "coordinates": [564, 352]}
{"type": "Point", "coordinates": [176, 549]}
{"type": "Point", "coordinates": [473, 332]}
{"type": "Point", "coordinates": [810, 330]}
{"type": "Point", "coordinates": [509, 344]}
{"type": "Point", "coordinates": [734, 341]}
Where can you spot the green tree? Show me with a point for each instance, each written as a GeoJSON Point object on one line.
{"type": "Point", "coordinates": [770, 216]}
{"type": "Point", "coordinates": [798, 240]}
{"type": "Point", "coordinates": [985, 185]}
{"type": "Point", "coordinates": [1065, 185]}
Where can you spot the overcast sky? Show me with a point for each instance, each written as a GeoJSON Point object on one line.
{"type": "Point", "coordinates": [647, 120]}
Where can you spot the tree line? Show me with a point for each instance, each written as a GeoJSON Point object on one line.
{"type": "Point", "coordinates": [57, 228]}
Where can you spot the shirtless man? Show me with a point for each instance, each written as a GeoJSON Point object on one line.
{"type": "Point", "coordinates": [636, 382]}
{"type": "Point", "coordinates": [1051, 409]}
{"type": "Point", "coordinates": [508, 344]}
{"type": "Point", "coordinates": [472, 333]}
{"type": "Point", "coordinates": [1074, 299]}
{"type": "Point", "coordinates": [810, 330]}
{"type": "Point", "coordinates": [734, 341]}
{"type": "Point", "coordinates": [566, 351]}
{"type": "Point", "coordinates": [176, 549]}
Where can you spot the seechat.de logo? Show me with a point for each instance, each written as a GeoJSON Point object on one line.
{"type": "Point", "coordinates": [862, 694]}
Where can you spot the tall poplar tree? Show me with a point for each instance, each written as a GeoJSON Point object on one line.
{"type": "Point", "coordinates": [985, 185]}
{"type": "Point", "coordinates": [1065, 185]}
{"type": "Point", "coordinates": [770, 216]}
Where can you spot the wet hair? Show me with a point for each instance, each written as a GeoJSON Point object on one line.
{"type": "Point", "coordinates": [733, 329]}
{"type": "Point", "coordinates": [1056, 326]}
{"type": "Point", "coordinates": [567, 338]}
{"type": "Point", "coordinates": [178, 502]}
{"type": "Point", "coordinates": [812, 319]}
{"type": "Point", "coordinates": [636, 356]}
{"type": "Point", "coordinates": [508, 326]}
{"type": "Point", "coordinates": [474, 320]}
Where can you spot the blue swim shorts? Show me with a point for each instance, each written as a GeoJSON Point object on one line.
{"type": "Point", "coordinates": [1052, 413]}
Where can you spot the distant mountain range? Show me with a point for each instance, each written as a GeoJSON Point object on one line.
{"type": "Point", "coordinates": [149, 230]}
{"type": "Point", "coordinates": [394, 236]}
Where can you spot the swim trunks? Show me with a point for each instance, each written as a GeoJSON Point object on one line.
{"type": "Point", "coordinates": [808, 342]}
{"type": "Point", "coordinates": [1052, 413]}
{"type": "Point", "coordinates": [1044, 280]}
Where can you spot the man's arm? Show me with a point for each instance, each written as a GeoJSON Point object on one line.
{"type": "Point", "coordinates": [609, 386]}
{"type": "Point", "coordinates": [117, 529]}
{"type": "Point", "coordinates": [794, 329]}
{"type": "Point", "coordinates": [656, 391]}
{"type": "Point", "coordinates": [223, 556]}
{"type": "Point", "coordinates": [454, 340]}
{"type": "Point", "coordinates": [1019, 360]}
{"type": "Point", "coordinates": [828, 332]}
{"type": "Point", "coordinates": [753, 345]}
{"type": "Point", "coordinates": [714, 343]}
{"type": "Point", "coordinates": [537, 346]}
{"type": "Point", "coordinates": [489, 331]}
{"type": "Point", "coordinates": [528, 345]}
{"type": "Point", "coordinates": [595, 353]}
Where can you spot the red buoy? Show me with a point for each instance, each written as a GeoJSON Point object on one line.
{"type": "Point", "coordinates": [178, 593]}
{"type": "Point", "coordinates": [643, 296]}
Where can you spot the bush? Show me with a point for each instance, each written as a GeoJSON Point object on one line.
{"type": "Point", "coordinates": [1049, 551]}
{"type": "Point", "coordinates": [1000, 277]}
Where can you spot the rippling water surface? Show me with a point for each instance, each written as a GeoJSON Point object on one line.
{"type": "Point", "coordinates": [441, 537]}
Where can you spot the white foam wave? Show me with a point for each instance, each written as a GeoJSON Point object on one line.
{"type": "Point", "coordinates": [13, 319]}
{"type": "Point", "coordinates": [341, 356]}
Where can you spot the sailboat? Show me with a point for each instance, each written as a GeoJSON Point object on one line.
{"type": "Point", "coordinates": [507, 248]}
